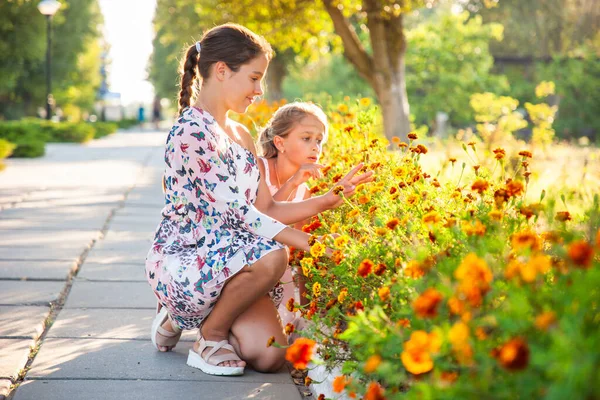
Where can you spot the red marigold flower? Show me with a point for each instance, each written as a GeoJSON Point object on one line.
{"type": "Point", "coordinates": [300, 352]}
{"type": "Point", "coordinates": [380, 269]}
{"type": "Point", "coordinates": [526, 154]}
{"type": "Point", "coordinates": [425, 305]}
{"type": "Point", "coordinates": [365, 268]}
{"type": "Point", "coordinates": [412, 136]}
{"type": "Point", "coordinates": [289, 328]}
{"type": "Point", "coordinates": [563, 216]}
{"type": "Point", "coordinates": [581, 253]}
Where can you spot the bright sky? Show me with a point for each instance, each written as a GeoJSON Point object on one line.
{"type": "Point", "coordinates": [128, 30]}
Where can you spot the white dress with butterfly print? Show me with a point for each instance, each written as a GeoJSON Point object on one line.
{"type": "Point", "coordinates": [210, 228]}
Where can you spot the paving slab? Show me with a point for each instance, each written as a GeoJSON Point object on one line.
{"type": "Point", "coordinates": [100, 323]}
{"type": "Point", "coordinates": [24, 269]}
{"type": "Point", "coordinates": [33, 252]}
{"type": "Point", "coordinates": [144, 390]}
{"type": "Point", "coordinates": [93, 271]}
{"type": "Point", "coordinates": [116, 257]}
{"type": "Point", "coordinates": [29, 292]}
{"type": "Point", "coordinates": [64, 239]}
{"type": "Point", "coordinates": [13, 356]}
{"type": "Point", "coordinates": [22, 321]}
{"type": "Point", "coordinates": [88, 294]}
{"type": "Point", "coordinates": [127, 359]}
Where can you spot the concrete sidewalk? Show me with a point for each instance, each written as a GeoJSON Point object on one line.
{"type": "Point", "coordinates": [75, 308]}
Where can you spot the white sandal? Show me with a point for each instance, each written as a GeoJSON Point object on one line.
{"type": "Point", "coordinates": [171, 338]}
{"type": "Point", "coordinates": [196, 360]}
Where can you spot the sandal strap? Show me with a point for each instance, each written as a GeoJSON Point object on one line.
{"type": "Point", "coordinates": [216, 346]}
{"type": "Point", "coordinates": [164, 332]}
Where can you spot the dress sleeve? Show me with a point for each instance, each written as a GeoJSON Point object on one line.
{"type": "Point", "coordinates": [212, 178]}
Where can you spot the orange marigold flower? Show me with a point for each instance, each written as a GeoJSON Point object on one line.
{"type": "Point", "coordinates": [381, 231]}
{"type": "Point", "coordinates": [514, 188]}
{"type": "Point", "coordinates": [414, 270]}
{"type": "Point", "coordinates": [374, 392]}
{"type": "Point", "coordinates": [372, 363]}
{"type": "Point", "coordinates": [321, 397]}
{"type": "Point", "coordinates": [432, 217]}
{"type": "Point", "coordinates": [513, 355]}
{"type": "Point", "coordinates": [416, 356]}
{"type": "Point", "coordinates": [480, 186]}
{"type": "Point", "coordinates": [452, 160]}
{"type": "Point", "coordinates": [545, 319]}
{"type": "Point", "coordinates": [300, 352]}
{"type": "Point", "coordinates": [365, 268]}
{"type": "Point", "coordinates": [476, 228]}
{"type": "Point", "coordinates": [338, 189]}
{"type": "Point", "coordinates": [331, 303]}
{"type": "Point", "coordinates": [339, 383]}
{"type": "Point", "coordinates": [372, 209]}
{"type": "Point", "coordinates": [449, 376]}
{"type": "Point", "coordinates": [337, 257]}
{"type": "Point", "coordinates": [307, 381]}
{"type": "Point", "coordinates": [563, 216]}
{"type": "Point", "coordinates": [581, 253]}
{"type": "Point", "coordinates": [395, 139]}
{"type": "Point", "coordinates": [499, 154]}
{"type": "Point", "coordinates": [403, 322]}
{"type": "Point", "coordinates": [525, 239]}
{"type": "Point", "coordinates": [480, 333]}
{"type": "Point", "coordinates": [412, 136]}
{"type": "Point", "coordinates": [456, 306]}
{"type": "Point", "coordinates": [526, 154]}
{"type": "Point", "coordinates": [271, 341]}
{"type": "Point", "coordinates": [384, 293]}
{"type": "Point", "coordinates": [495, 215]}
{"type": "Point", "coordinates": [364, 199]}
{"type": "Point", "coordinates": [425, 305]}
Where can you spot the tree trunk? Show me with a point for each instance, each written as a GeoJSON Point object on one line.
{"type": "Point", "coordinates": [394, 103]}
{"type": "Point", "coordinates": [277, 72]}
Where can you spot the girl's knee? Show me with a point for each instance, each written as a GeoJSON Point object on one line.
{"type": "Point", "coordinates": [271, 360]}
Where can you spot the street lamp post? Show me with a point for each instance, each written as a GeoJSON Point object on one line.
{"type": "Point", "coordinates": [48, 8]}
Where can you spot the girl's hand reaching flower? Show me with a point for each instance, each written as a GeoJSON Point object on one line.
{"type": "Point", "coordinates": [349, 184]}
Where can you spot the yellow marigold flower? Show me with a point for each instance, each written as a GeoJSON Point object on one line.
{"type": "Point", "coordinates": [365, 102]}
{"type": "Point", "coordinates": [341, 241]}
{"type": "Point", "coordinates": [545, 319]}
{"type": "Point", "coordinates": [495, 215]}
{"type": "Point", "coordinates": [343, 108]}
{"type": "Point", "coordinates": [400, 171]}
{"type": "Point", "coordinates": [317, 249]}
{"type": "Point", "coordinates": [271, 341]}
{"type": "Point", "coordinates": [342, 296]}
{"type": "Point", "coordinates": [476, 228]}
{"type": "Point", "coordinates": [384, 293]}
{"type": "Point", "coordinates": [432, 217]}
{"type": "Point", "coordinates": [412, 199]}
{"type": "Point", "coordinates": [335, 228]}
{"type": "Point", "coordinates": [414, 270]}
{"type": "Point", "coordinates": [381, 231]}
{"type": "Point", "coordinates": [458, 334]}
{"type": "Point", "coordinates": [306, 263]}
{"type": "Point", "coordinates": [316, 289]}
{"type": "Point", "coordinates": [372, 363]}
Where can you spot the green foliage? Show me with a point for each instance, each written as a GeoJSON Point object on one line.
{"type": "Point", "coordinates": [75, 61]}
{"type": "Point", "coordinates": [75, 132]}
{"type": "Point", "coordinates": [102, 129]}
{"type": "Point", "coordinates": [28, 136]}
{"type": "Point", "coordinates": [447, 60]}
{"type": "Point", "coordinates": [126, 123]}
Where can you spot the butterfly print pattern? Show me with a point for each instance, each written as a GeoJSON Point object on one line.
{"type": "Point", "coordinates": [210, 228]}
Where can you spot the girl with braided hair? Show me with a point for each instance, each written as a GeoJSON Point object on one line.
{"type": "Point", "coordinates": [219, 248]}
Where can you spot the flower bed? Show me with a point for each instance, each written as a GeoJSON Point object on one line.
{"type": "Point", "coordinates": [449, 288]}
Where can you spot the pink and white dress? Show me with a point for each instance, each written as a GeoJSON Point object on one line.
{"type": "Point", "coordinates": [289, 289]}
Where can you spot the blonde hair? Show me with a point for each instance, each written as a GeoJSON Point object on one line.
{"type": "Point", "coordinates": [284, 120]}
